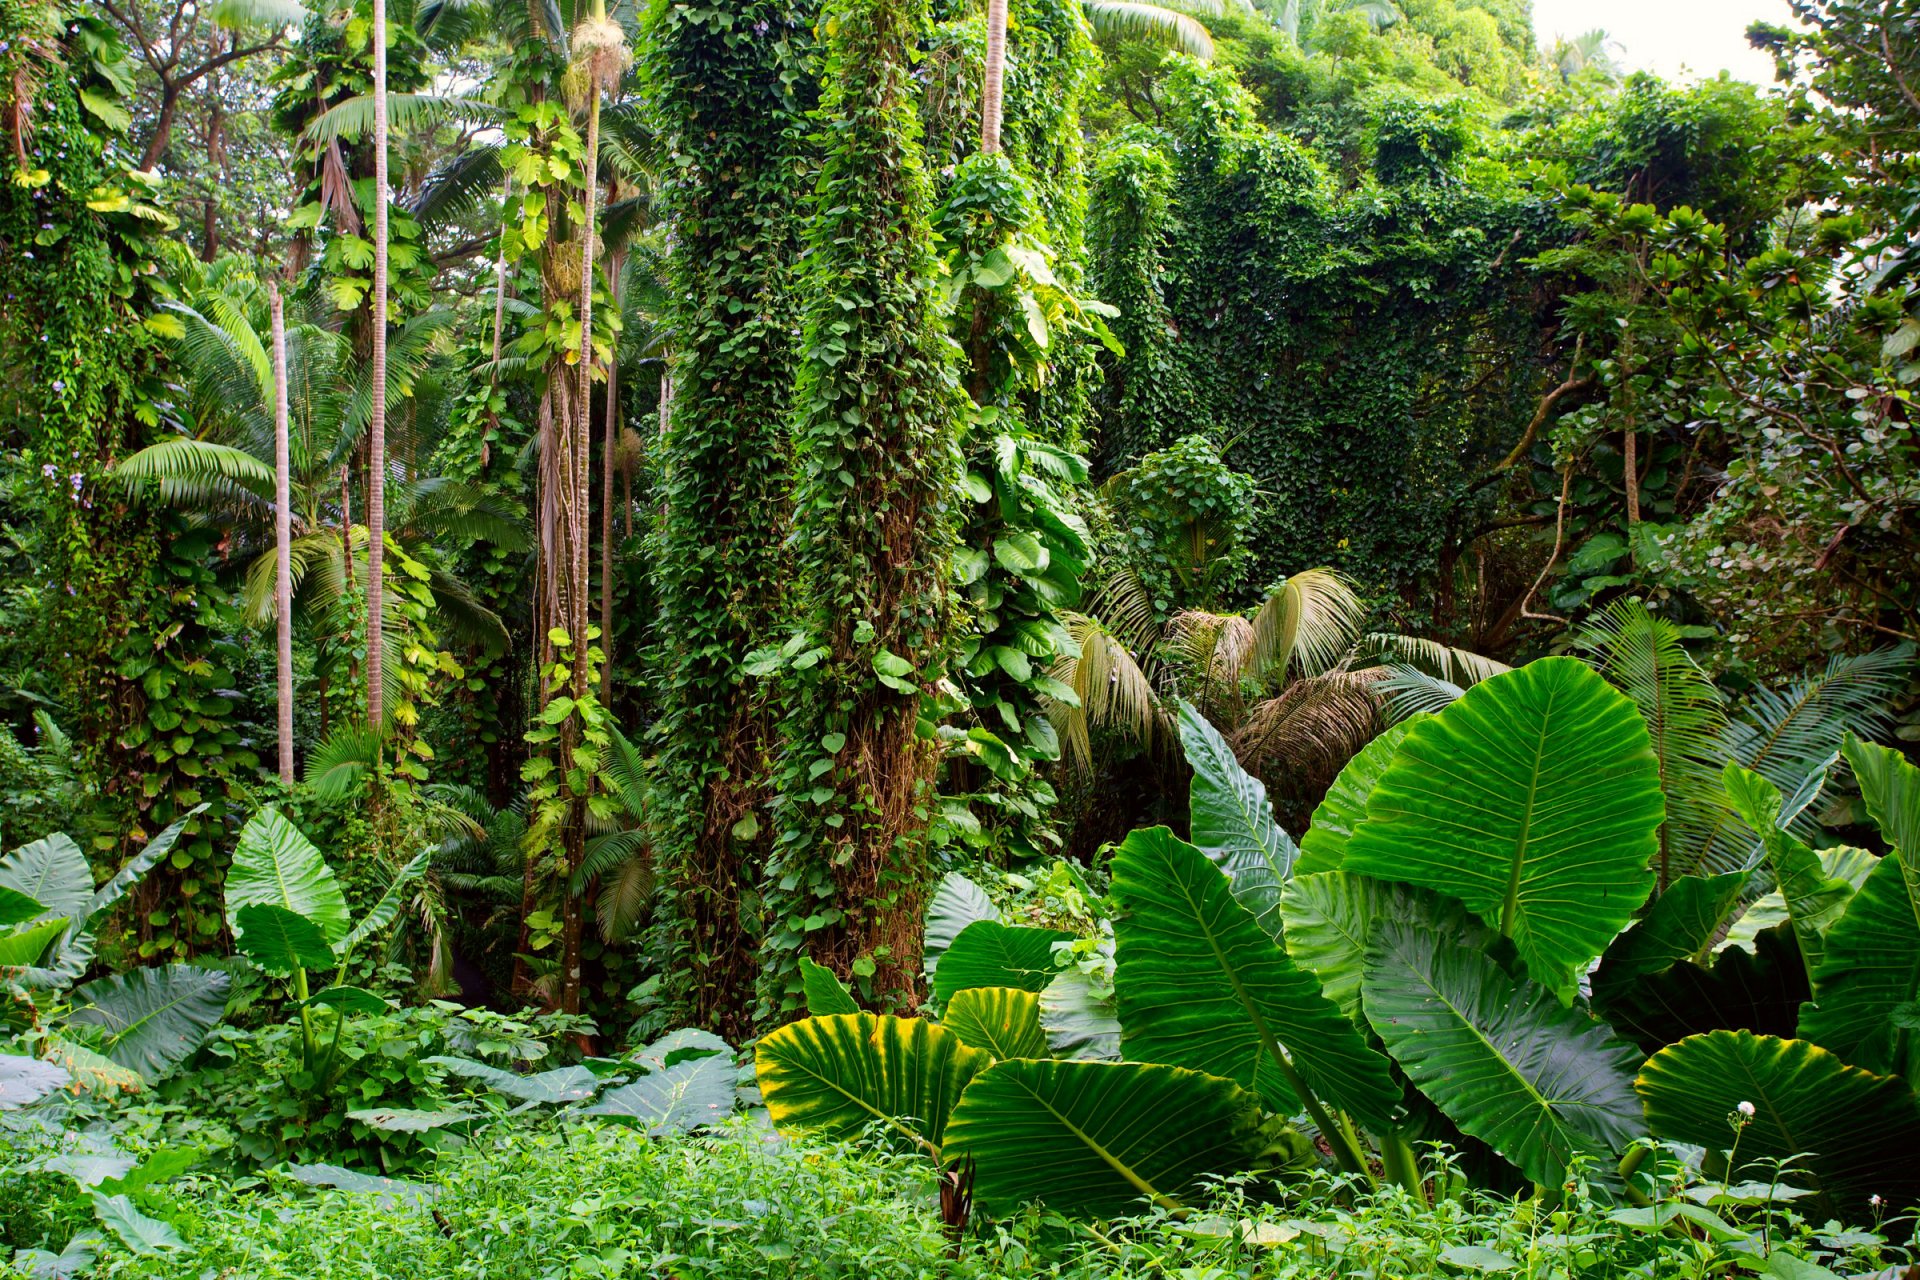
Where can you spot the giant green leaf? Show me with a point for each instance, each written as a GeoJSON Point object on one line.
{"type": "Point", "coordinates": [1890, 785]}
{"type": "Point", "coordinates": [1855, 1133]}
{"type": "Point", "coordinates": [1814, 900]}
{"type": "Point", "coordinates": [990, 954]}
{"type": "Point", "coordinates": [1328, 916]}
{"type": "Point", "coordinates": [1503, 1058]}
{"type": "Point", "coordinates": [1535, 800]}
{"type": "Point", "coordinates": [140, 863]}
{"type": "Point", "coordinates": [275, 865]}
{"type": "Point", "coordinates": [54, 873]}
{"type": "Point", "coordinates": [23, 948]}
{"type": "Point", "coordinates": [957, 902]}
{"type": "Point", "coordinates": [1683, 922]}
{"type": "Point", "coordinates": [279, 940]}
{"type": "Point", "coordinates": [1760, 990]}
{"type": "Point", "coordinates": [17, 907]}
{"type": "Point", "coordinates": [1002, 1020]}
{"type": "Point", "coordinates": [1202, 985]}
{"type": "Point", "coordinates": [840, 1075]}
{"type": "Point", "coordinates": [153, 1019]}
{"type": "Point", "coordinates": [1231, 821]}
{"type": "Point", "coordinates": [1344, 807]}
{"type": "Point", "coordinates": [541, 1088]}
{"type": "Point", "coordinates": [382, 913]}
{"type": "Point", "coordinates": [24, 1080]}
{"type": "Point", "coordinates": [1102, 1137]}
{"type": "Point", "coordinates": [1866, 991]}
{"type": "Point", "coordinates": [679, 1099]}
{"type": "Point", "coordinates": [1080, 1019]}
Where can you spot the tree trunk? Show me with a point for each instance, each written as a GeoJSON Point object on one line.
{"type": "Point", "coordinates": [282, 535]}
{"type": "Point", "coordinates": [612, 432]}
{"type": "Point", "coordinates": [993, 77]}
{"type": "Point", "coordinates": [377, 431]}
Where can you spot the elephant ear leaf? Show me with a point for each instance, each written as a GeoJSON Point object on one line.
{"type": "Point", "coordinates": [1846, 1133]}
{"type": "Point", "coordinates": [1535, 800]}
{"type": "Point", "coordinates": [1324, 846]}
{"type": "Point", "coordinates": [275, 865]}
{"type": "Point", "coordinates": [1202, 985]}
{"type": "Point", "coordinates": [54, 873]}
{"type": "Point", "coordinates": [1002, 1020]}
{"type": "Point", "coordinates": [153, 1019]}
{"type": "Point", "coordinates": [1813, 899]}
{"type": "Point", "coordinates": [1890, 785]}
{"type": "Point", "coordinates": [1231, 821]}
{"type": "Point", "coordinates": [841, 1075]}
{"type": "Point", "coordinates": [990, 954]}
{"type": "Point", "coordinates": [1102, 1137]}
{"type": "Point", "coordinates": [957, 902]}
{"type": "Point", "coordinates": [1537, 1081]}
{"type": "Point", "coordinates": [1682, 923]}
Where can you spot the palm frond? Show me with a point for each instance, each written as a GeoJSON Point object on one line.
{"type": "Point", "coordinates": [1460, 667]}
{"type": "Point", "coordinates": [1129, 19]}
{"type": "Point", "coordinates": [1406, 691]}
{"type": "Point", "coordinates": [1313, 726]}
{"type": "Point", "coordinates": [624, 770]}
{"type": "Point", "coordinates": [345, 759]}
{"type": "Point", "coordinates": [623, 899]}
{"type": "Point", "coordinates": [1305, 627]}
{"type": "Point", "coordinates": [194, 472]}
{"type": "Point", "coordinates": [464, 617]}
{"type": "Point", "coordinates": [259, 13]}
{"type": "Point", "coordinates": [352, 118]}
{"type": "Point", "coordinates": [1113, 692]}
{"type": "Point", "coordinates": [1125, 608]}
{"type": "Point", "coordinates": [457, 188]}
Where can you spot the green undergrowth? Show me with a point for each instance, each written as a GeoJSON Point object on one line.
{"type": "Point", "coordinates": [546, 1202]}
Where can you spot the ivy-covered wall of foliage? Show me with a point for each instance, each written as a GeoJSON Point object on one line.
{"type": "Point", "coordinates": [732, 85]}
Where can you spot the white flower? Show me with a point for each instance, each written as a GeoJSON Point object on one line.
{"type": "Point", "coordinates": [1745, 1109]}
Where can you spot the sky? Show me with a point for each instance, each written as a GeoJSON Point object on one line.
{"type": "Point", "coordinates": [1663, 36]}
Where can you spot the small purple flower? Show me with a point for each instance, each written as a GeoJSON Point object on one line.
{"type": "Point", "coordinates": [59, 385]}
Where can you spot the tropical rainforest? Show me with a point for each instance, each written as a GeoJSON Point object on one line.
{"type": "Point", "coordinates": [910, 638]}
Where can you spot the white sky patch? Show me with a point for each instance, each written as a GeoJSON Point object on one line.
{"type": "Point", "coordinates": [1677, 39]}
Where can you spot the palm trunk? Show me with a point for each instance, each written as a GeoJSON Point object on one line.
{"type": "Point", "coordinates": [993, 77]}
{"type": "Point", "coordinates": [612, 431]}
{"type": "Point", "coordinates": [377, 432]}
{"type": "Point", "coordinates": [282, 535]}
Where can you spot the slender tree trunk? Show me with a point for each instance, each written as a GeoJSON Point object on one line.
{"type": "Point", "coordinates": [612, 432]}
{"type": "Point", "coordinates": [993, 77]}
{"type": "Point", "coordinates": [377, 433]}
{"type": "Point", "coordinates": [282, 534]}
{"type": "Point", "coordinates": [500, 281]}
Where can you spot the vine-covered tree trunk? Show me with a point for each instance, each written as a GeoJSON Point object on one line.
{"type": "Point", "coordinates": [377, 428]}
{"type": "Point", "coordinates": [877, 413]}
{"type": "Point", "coordinates": [731, 81]}
{"type": "Point", "coordinates": [282, 537]}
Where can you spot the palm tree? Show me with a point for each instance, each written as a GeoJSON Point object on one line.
{"type": "Point", "coordinates": [282, 538]}
{"type": "Point", "coordinates": [1590, 51]}
{"type": "Point", "coordinates": [377, 435]}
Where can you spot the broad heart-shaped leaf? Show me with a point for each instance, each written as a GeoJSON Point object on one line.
{"type": "Point", "coordinates": [1890, 785]}
{"type": "Point", "coordinates": [1231, 821]}
{"type": "Point", "coordinates": [17, 907]}
{"type": "Point", "coordinates": [54, 873]}
{"type": "Point", "coordinates": [839, 1075]}
{"type": "Point", "coordinates": [275, 865]}
{"type": "Point", "coordinates": [680, 1045]}
{"type": "Point", "coordinates": [990, 954]}
{"type": "Point", "coordinates": [1202, 985]}
{"type": "Point", "coordinates": [1081, 1022]}
{"type": "Point", "coordinates": [825, 992]}
{"type": "Point", "coordinates": [1760, 990]}
{"type": "Point", "coordinates": [25, 1080]}
{"type": "Point", "coordinates": [1328, 917]}
{"type": "Point", "coordinates": [1536, 1081]}
{"type": "Point", "coordinates": [385, 1190]}
{"type": "Point", "coordinates": [1856, 1132]}
{"type": "Point", "coordinates": [23, 948]}
{"type": "Point", "coordinates": [153, 1018]}
{"type": "Point", "coordinates": [1344, 807]}
{"type": "Point", "coordinates": [686, 1096]}
{"type": "Point", "coordinates": [349, 999]}
{"type": "Point", "coordinates": [279, 940]}
{"type": "Point", "coordinates": [1002, 1020]}
{"type": "Point", "coordinates": [141, 1234]}
{"type": "Point", "coordinates": [1101, 1137]}
{"type": "Point", "coordinates": [562, 1084]}
{"type": "Point", "coordinates": [1683, 922]}
{"type": "Point", "coordinates": [1866, 992]}
{"type": "Point", "coordinates": [410, 1120]}
{"type": "Point", "coordinates": [1535, 800]}
{"type": "Point", "coordinates": [957, 902]}
{"type": "Point", "coordinates": [1813, 899]}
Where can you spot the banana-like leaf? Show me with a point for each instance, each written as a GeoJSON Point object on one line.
{"type": "Point", "coordinates": [92, 1072]}
{"type": "Point", "coordinates": [1202, 985]}
{"type": "Point", "coordinates": [1132, 19]}
{"type": "Point", "coordinates": [1814, 900]}
{"type": "Point", "coordinates": [1535, 800]}
{"type": "Point", "coordinates": [386, 1191]}
{"type": "Point", "coordinates": [1841, 862]}
{"type": "Point", "coordinates": [1344, 807]}
{"type": "Point", "coordinates": [153, 1019]}
{"type": "Point", "coordinates": [382, 913]}
{"type": "Point", "coordinates": [825, 992]}
{"type": "Point", "coordinates": [1866, 991]}
{"type": "Point", "coordinates": [140, 863]}
{"type": "Point", "coordinates": [1538, 1082]}
{"type": "Point", "coordinates": [1855, 1133]}
{"type": "Point", "coordinates": [411, 1120]}
{"type": "Point", "coordinates": [17, 907]}
{"type": "Point", "coordinates": [54, 873]}
{"type": "Point", "coordinates": [142, 1235]}
{"type": "Point", "coordinates": [1102, 1137]}
{"type": "Point", "coordinates": [840, 1075]}
{"type": "Point", "coordinates": [679, 1099]}
{"type": "Point", "coordinates": [1329, 916]}
{"type": "Point", "coordinates": [1682, 923]}
{"type": "Point", "coordinates": [990, 954]}
{"type": "Point", "coordinates": [1232, 822]}
{"type": "Point", "coordinates": [1890, 785]}
{"type": "Point", "coordinates": [1001, 1020]}
{"type": "Point", "coordinates": [1081, 1023]}
{"type": "Point", "coordinates": [957, 902]}
{"type": "Point", "coordinates": [279, 940]}
{"type": "Point", "coordinates": [275, 865]}
{"type": "Point", "coordinates": [25, 1080]}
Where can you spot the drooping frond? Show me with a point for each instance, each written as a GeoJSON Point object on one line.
{"type": "Point", "coordinates": [352, 118]}
{"type": "Point", "coordinates": [1114, 693]}
{"type": "Point", "coordinates": [463, 617]}
{"type": "Point", "coordinates": [444, 510]}
{"type": "Point", "coordinates": [345, 759]}
{"type": "Point", "coordinates": [1642, 656]}
{"type": "Point", "coordinates": [625, 771]}
{"type": "Point", "coordinates": [1213, 647]}
{"type": "Point", "coordinates": [1125, 608]}
{"type": "Point", "coordinates": [1459, 667]}
{"type": "Point", "coordinates": [198, 473]}
{"type": "Point", "coordinates": [1128, 19]}
{"type": "Point", "coordinates": [1406, 691]}
{"type": "Point", "coordinates": [1313, 726]}
{"type": "Point", "coordinates": [1305, 627]}
{"type": "Point", "coordinates": [457, 187]}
